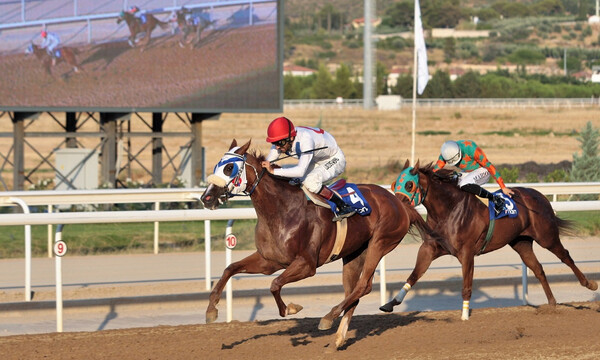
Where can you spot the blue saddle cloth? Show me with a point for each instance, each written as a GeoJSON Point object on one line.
{"type": "Point", "coordinates": [351, 196]}
{"type": "Point", "coordinates": [510, 208]}
{"type": "Point", "coordinates": [57, 53]}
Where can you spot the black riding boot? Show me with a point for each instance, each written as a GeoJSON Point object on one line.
{"type": "Point", "coordinates": [343, 210]}
{"type": "Point", "coordinates": [497, 200]}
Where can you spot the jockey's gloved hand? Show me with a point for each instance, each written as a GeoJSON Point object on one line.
{"type": "Point", "coordinates": [295, 182]}
{"type": "Point", "coordinates": [456, 176]}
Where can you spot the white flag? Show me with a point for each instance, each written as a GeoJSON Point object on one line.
{"type": "Point", "coordinates": [422, 71]}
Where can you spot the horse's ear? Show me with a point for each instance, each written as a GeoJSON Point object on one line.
{"type": "Point", "coordinates": [415, 169]}
{"type": "Point", "coordinates": [244, 147]}
{"type": "Point", "coordinates": [406, 164]}
{"type": "Point", "coordinates": [233, 144]}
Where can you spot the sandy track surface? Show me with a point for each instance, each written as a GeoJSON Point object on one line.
{"type": "Point", "coordinates": [569, 331]}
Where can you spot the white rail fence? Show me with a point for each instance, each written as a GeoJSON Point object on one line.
{"type": "Point", "coordinates": [550, 103]}
{"type": "Point", "coordinates": [25, 199]}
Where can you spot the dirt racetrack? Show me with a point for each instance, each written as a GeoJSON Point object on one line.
{"type": "Point", "coordinates": [569, 331]}
{"type": "Point", "coordinates": [164, 75]}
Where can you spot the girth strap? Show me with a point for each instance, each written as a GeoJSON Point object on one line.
{"type": "Point", "coordinates": [488, 236]}
{"type": "Point", "coordinates": [341, 227]}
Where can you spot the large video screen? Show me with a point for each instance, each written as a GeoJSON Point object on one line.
{"type": "Point", "coordinates": [154, 55]}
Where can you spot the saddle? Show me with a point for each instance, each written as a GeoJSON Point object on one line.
{"type": "Point", "coordinates": [351, 196]}
{"type": "Point", "coordinates": [510, 210]}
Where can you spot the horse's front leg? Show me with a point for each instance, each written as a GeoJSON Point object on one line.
{"type": "Point", "coordinates": [428, 252]}
{"type": "Point", "coordinates": [252, 264]}
{"type": "Point", "coordinates": [467, 262]}
{"type": "Point", "coordinates": [299, 269]}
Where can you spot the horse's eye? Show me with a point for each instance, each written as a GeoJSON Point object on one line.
{"type": "Point", "coordinates": [228, 169]}
{"type": "Point", "coordinates": [409, 186]}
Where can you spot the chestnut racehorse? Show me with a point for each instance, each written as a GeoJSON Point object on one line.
{"type": "Point", "coordinates": [462, 220]}
{"type": "Point", "coordinates": [67, 54]}
{"type": "Point", "coordinates": [191, 22]}
{"type": "Point", "coordinates": [298, 236]}
{"type": "Point", "coordinates": [136, 26]}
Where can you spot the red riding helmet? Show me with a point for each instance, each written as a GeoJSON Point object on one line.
{"type": "Point", "coordinates": [44, 33]}
{"type": "Point", "coordinates": [279, 129]}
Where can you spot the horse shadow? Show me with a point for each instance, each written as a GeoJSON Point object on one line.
{"type": "Point", "coordinates": [305, 331]}
{"type": "Point", "coordinates": [106, 53]}
{"type": "Point", "coordinates": [112, 314]}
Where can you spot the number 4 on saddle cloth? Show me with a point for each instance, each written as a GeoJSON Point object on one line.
{"type": "Point", "coordinates": [510, 208]}
{"type": "Point", "coordinates": [351, 195]}
{"type": "Point", "coordinates": [348, 192]}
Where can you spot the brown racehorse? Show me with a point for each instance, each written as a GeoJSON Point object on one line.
{"type": "Point", "coordinates": [298, 236]}
{"type": "Point", "coordinates": [67, 54]}
{"type": "Point", "coordinates": [190, 23]}
{"type": "Point", "coordinates": [136, 27]}
{"type": "Point", "coordinates": [463, 221]}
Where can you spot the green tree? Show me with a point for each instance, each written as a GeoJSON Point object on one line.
{"type": "Point", "coordinates": [449, 49]}
{"type": "Point", "coordinates": [468, 86]}
{"type": "Point", "coordinates": [291, 87]}
{"type": "Point", "coordinates": [404, 86]}
{"type": "Point", "coordinates": [343, 82]}
{"type": "Point", "coordinates": [323, 87]}
{"type": "Point", "coordinates": [399, 15]}
{"type": "Point", "coordinates": [586, 167]}
{"type": "Point", "coordinates": [439, 87]}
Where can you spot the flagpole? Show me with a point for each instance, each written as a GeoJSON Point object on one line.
{"type": "Point", "coordinates": [414, 109]}
{"type": "Point", "coordinates": [420, 72]}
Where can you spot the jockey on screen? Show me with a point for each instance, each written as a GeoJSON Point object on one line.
{"type": "Point", "coordinates": [314, 167]}
{"type": "Point", "coordinates": [137, 13]}
{"type": "Point", "coordinates": [475, 170]}
{"type": "Point", "coordinates": [50, 43]}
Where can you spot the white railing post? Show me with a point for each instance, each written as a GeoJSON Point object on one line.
{"type": "Point", "coordinates": [156, 208]}
{"type": "Point", "coordinates": [524, 282]}
{"type": "Point", "coordinates": [25, 208]}
{"type": "Point", "coordinates": [58, 272]}
{"type": "Point", "coordinates": [382, 282]}
{"type": "Point", "coordinates": [49, 233]}
{"type": "Point", "coordinates": [207, 253]}
{"type": "Point", "coordinates": [228, 287]}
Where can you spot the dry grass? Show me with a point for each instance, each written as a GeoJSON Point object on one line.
{"type": "Point", "coordinates": [374, 142]}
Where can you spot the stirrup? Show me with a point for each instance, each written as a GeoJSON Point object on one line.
{"type": "Point", "coordinates": [342, 215]}
{"type": "Point", "coordinates": [498, 205]}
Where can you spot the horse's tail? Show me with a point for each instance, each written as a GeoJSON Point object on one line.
{"type": "Point", "coordinates": [163, 25]}
{"type": "Point", "coordinates": [417, 220]}
{"type": "Point", "coordinates": [565, 227]}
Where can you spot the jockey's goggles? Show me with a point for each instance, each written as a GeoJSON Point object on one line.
{"type": "Point", "coordinates": [282, 142]}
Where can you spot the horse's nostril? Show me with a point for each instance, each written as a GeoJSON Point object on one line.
{"type": "Point", "coordinates": [207, 198]}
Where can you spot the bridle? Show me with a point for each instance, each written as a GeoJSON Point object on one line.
{"type": "Point", "coordinates": [239, 178]}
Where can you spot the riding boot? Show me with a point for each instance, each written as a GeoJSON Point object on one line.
{"type": "Point", "coordinates": [343, 210]}
{"type": "Point", "coordinates": [497, 200]}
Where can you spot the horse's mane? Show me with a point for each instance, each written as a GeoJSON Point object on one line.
{"type": "Point", "coordinates": [442, 175]}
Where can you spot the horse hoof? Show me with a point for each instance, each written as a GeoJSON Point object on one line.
{"type": "Point", "coordinates": [325, 324]}
{"type": "Point", "coordinates": [293, 309]}
{"type": "Point", "coordinates": [389, 307]}
{"type": "Point", "coordinates": [592, 285]}
{"type": "Point", "coordinates": [211, 316]}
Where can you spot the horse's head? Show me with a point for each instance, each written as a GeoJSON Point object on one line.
{"type": "Point", "coordinates": [228, 178]}
{"type": "Point", "coordinates": [121, 17]}
{"type": "Point", "coordinates": [408, 185]}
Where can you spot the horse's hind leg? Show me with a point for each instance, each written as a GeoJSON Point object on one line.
{"type": "Point", "coordinates": [524, 247]}
{"type": "Point", "coordinates": [559, 250]}
{"type": "Point", "coordinates": [253, 264]}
